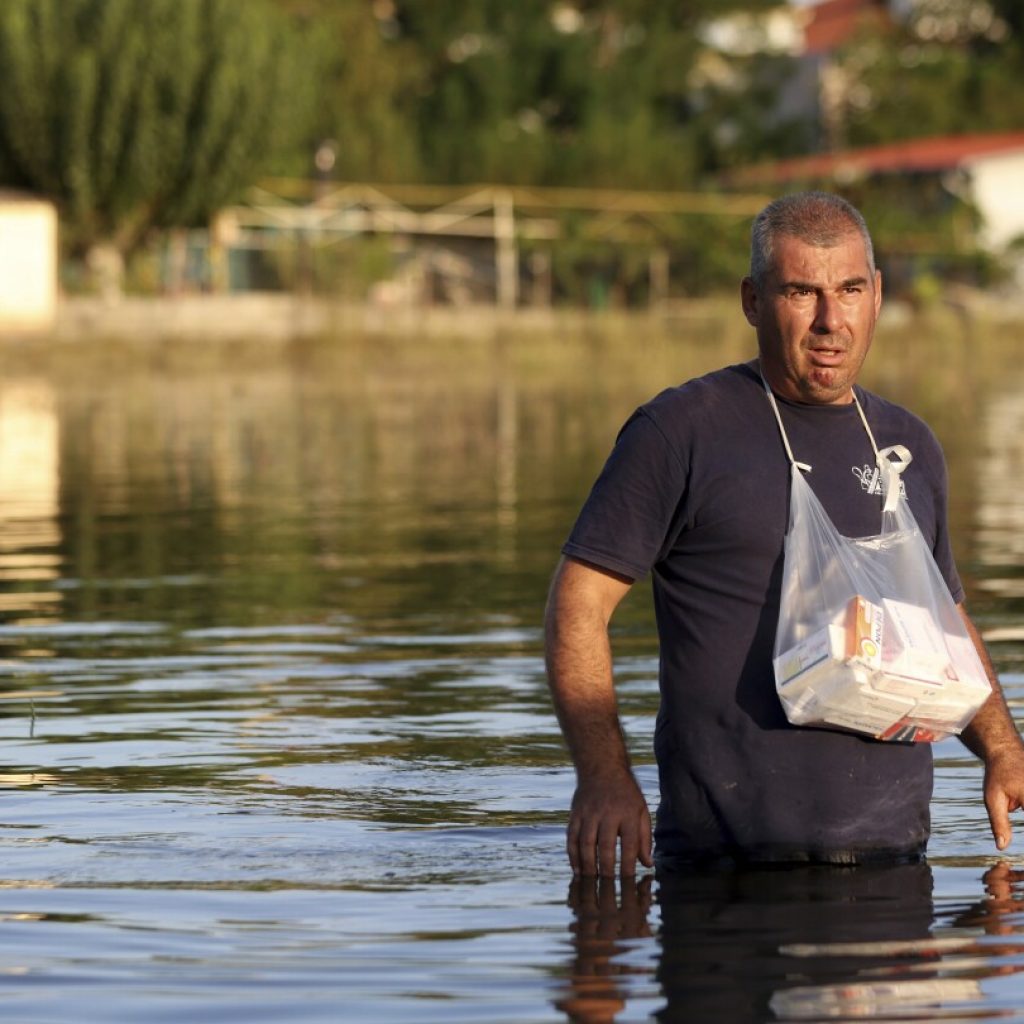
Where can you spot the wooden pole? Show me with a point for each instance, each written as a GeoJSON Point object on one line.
{"type": "Point", "coordinates": [506, 250]}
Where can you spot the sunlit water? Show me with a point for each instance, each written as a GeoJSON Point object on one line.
{"type": "Point", "coordinates": [277, 744]}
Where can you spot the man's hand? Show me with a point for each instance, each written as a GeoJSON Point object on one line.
{"type": "Point", "coordinates": [992, 736]}
{"type": "Point", "coordinates": [606, 814]}
{"type": "Point", "coordinates": [1004, 791]}
{"type": "Point", "coordinates": [608, 808]}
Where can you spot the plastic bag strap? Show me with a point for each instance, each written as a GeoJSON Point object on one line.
{"type": "Point", "coordinates": [891, 461]}
{"type": "Point", "coordinates": [782, 430]}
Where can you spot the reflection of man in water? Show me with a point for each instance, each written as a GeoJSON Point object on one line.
{"type": "Point", "coordinates": [805, 943]}
{"type": "Point", "coordinates": [696, 492]}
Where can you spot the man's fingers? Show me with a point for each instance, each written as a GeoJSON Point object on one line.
{"type": "Point", "coordinates": [998, 805]}
{"type": "Point", "coordinates": [637, 844]}
{"type": "Point", "coordinates": [646, 839]}
{"type": "Point", "coordinates": [592, 851]}
{"type": "Point", "coordinates": [580, 844]}
{"type": "Point", "coordinates": [607, 840]}
{"type": "Point", "coordinates": [572, 843]}
{"type": "Point", "coordinates": [630, 851]}
{"type": "Point", "coordinates": [587, 849]}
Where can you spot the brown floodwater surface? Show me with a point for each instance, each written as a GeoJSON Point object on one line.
{"type": "Point", "coordinates": [277, 742]}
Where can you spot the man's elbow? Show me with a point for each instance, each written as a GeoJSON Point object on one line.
{"type": "Point", "coordinates": [581, 591]}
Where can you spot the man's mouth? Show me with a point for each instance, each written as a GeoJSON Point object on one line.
{"type": "Point", "coordinates": [827, 356]}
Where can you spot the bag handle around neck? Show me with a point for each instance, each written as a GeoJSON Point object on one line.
{"type": "Point", "coordinates": [891, 461]}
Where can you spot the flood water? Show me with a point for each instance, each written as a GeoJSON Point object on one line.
{"type": "Point", "coordinates": [277, 744]}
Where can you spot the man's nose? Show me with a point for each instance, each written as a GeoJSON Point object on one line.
{"type": "Point", "coordinates": [827, 316]}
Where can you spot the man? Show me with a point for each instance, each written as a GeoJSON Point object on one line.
{"type": "Point", "coordinates": [696, 492]}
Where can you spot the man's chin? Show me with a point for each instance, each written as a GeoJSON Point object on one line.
{"type": "Point", "coordinates": [827, 387]}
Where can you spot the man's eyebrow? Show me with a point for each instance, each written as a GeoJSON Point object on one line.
{"type": "Point", "coordinates": [850, 282]}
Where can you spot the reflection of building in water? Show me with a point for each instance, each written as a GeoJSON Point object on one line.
{"type": "Point", "coordinates": [1000, 535]}
{"type": "Point", "coordinates": [29, 479]}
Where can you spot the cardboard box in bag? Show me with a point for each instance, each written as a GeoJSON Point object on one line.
{"type": "Point", "coordinates": [826, 679]}
{"type": "Point", "coordinates": [883, 670]}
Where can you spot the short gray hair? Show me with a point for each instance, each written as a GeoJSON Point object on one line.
{"type": "Point", "coordinates": [816, 218]}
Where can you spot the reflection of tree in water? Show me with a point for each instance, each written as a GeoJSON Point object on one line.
{"type": "Point", "coordinates": [382, 476]}
{"type": "Point", "coordinates": [788, 943]}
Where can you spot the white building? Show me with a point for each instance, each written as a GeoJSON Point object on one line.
{"type": "Point", "coordinates": [983, 169]}
{"type": "Point", "coordinates": [28, 263]}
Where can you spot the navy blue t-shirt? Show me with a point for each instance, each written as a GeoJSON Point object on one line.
{"type": "Point", "coordinates": [696, 491]}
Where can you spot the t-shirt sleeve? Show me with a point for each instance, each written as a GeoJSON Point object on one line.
{"type": "Point", "coordinates": [633, 504]}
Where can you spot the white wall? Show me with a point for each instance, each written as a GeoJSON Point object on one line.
{"type": "Point", "coordinates": [997, 186]}
{"type": "Point", "coordinates": [28, 264]}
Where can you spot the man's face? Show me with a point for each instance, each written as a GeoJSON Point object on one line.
{"type": "Point", "coordinates": [815, 316]}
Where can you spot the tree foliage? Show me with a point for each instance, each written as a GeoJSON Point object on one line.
{"type": "Point", "coordinates": [140, 114]}
{"type": "Point", "coordinates": [627, 93]}
{"type": "Point", "coordinates": [363, 84]}
{"type": "Point", "coordinates": [597, 92]}
{"type": "Point", "coordinates": [137, 113]}
{"type": "Point", "coordinates": [952, 66]}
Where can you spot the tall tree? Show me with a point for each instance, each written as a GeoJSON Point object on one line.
{"type": "Point", "coordinates": [367, 86]}
{"type": "Point", "coordinates": [134, 114]}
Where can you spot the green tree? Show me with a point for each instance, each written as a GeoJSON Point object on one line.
{"type": "Point", "coordinates": [546, 92]}
{"type": "Point", "coordinates": [367, 83]}
{"type": "Point", "coordinates": [135, 114]}
{"type": "Point", "coordinates": [597, 92]}
{"type": "Point", "coordinates": [952, 67]}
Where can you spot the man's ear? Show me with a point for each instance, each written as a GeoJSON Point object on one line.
{"type": "Point", "coordinates": [749, 300]}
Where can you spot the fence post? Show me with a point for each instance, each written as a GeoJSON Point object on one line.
{"type": "Point", "coordinates": [506, 251]}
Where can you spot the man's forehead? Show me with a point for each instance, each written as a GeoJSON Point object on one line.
{"type": "Point", "coordinates": [846, 255]}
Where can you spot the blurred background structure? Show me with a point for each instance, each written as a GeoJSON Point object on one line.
{"type": "Point", "coordinates": [577, 153]}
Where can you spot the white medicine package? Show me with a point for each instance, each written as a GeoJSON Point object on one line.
{"type": "Point", "coordinates": [869, 639]}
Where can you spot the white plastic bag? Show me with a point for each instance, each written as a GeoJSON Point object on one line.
{"type": "Point", "coordinates": [869, 638]}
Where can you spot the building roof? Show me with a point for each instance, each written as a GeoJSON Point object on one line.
{"type": "Point", "coordinates": [914, 155]}
{"type": "Point", "coordinates": [831, 23]}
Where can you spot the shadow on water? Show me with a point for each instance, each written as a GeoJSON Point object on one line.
{"type": "Point", "coordinates": [791, 944]}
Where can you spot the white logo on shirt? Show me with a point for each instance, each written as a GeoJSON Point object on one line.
{"type": "Point", "coordinates": [870, 480]}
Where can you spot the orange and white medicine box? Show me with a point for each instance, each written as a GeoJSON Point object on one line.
{"type": "Point", "coordinates": [887, 670]}
{"type": "Point", "coordinates": [864, 631]}
{"type": "Point", "coordinates": [857, 637]}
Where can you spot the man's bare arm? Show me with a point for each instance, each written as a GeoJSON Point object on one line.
{"type": "Point", "coordinates": [608, 807]}
{"type": "Point", "coordinates": [993, 737]}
